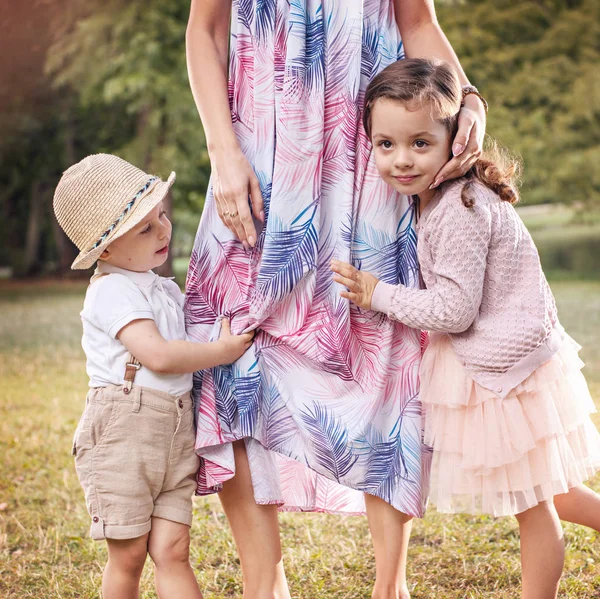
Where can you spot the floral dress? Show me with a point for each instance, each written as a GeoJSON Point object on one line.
{"type": "Point", "coordinates": [327, 398]}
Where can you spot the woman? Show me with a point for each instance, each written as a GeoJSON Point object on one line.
{"type": "Point", "coordinates": [326, 402]}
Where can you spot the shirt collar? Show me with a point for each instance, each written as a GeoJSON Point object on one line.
{"type": "Point", "coordinates": [144, 279]}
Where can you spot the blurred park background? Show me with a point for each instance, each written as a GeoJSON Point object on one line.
{"type": "Point", "coordinates": [86, 76]}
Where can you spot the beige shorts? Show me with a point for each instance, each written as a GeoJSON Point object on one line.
{"type": "Point", "coordinates": [135, 458]}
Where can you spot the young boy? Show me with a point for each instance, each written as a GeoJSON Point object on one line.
{"type": "Point", "coordinates": [134, 445]}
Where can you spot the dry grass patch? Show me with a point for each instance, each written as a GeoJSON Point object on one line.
{"type": "Point", "coordinates": [44, 548]}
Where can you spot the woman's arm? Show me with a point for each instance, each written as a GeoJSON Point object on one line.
{"type": "Point", "coordinates": [233, 178]}
{"type": "Point", "coordinates": [423, 38]}
{"type": "Point", "coordinates": [206, 52]}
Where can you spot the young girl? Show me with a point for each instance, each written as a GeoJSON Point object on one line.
{"type": "Point", "coordinates": [507, 408]}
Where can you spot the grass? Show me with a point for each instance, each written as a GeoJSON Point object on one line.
{"type": "Point", "coordinates": [568, 241]}
{"type": "Point", "coordinates": [44, 548]}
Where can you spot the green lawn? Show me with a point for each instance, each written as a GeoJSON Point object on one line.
{"type": "Point", "coordinates": [568, 241]}
{"type": "Point", "coordinates": [44, 548]}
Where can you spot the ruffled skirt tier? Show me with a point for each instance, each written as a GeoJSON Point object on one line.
{"type": "Point", "coordinates": [504, 456]}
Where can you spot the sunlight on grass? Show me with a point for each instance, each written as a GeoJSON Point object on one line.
{"type": "Point", "coordinates": [44, 548]}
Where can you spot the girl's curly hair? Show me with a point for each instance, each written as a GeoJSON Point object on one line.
{"type": "Point", "coordinates": [418, 82]}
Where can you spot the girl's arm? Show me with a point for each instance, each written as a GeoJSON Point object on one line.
{"type": "Point", "coordinates": [459, 246]}
{"type": "Point", "coordinates": [233, 178]}
{"type": "Point", "coordinates": [423, 38]}
{"type": "Point", "coordinates": [144, 341]}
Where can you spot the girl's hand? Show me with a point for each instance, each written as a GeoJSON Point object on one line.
{"type": "Point", "coordinates": [233, 346]}
{"type": "Point", "coordinates": [234, 181]}
{"type": "Point", "coordinates": [468, 143]}
{"type": "Point", "coordinates": [360, 284]}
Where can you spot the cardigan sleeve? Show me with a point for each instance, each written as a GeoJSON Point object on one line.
{"type": "Point", "coordinates": [458, 241]}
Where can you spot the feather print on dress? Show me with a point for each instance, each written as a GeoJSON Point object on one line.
{"type": "Point", "coordinates": [327, 397]}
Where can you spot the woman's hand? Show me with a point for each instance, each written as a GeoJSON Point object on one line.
{"type": "Point", "coordinates": [468, 143]}
{"type": "Point", "coordinates": [360, 284]}
{"type": "Point", "coordinates": [234, 181]}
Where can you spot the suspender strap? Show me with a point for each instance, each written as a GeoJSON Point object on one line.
{"type": "Point", "coordinates": [133, 364]}
{"type": "Point", "coordinates": [131, 367]}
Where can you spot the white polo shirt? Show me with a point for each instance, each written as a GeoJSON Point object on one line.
{"type": "Point", "coordinates": [115, 300]}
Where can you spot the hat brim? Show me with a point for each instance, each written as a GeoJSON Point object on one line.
{"type": "Point", "coordinates": [140, 210]}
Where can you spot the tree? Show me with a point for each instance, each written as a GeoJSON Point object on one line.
{"type": "Point", "coordinates": [537, 63]}
{"type": "Point", "coordinates": [132, 55]}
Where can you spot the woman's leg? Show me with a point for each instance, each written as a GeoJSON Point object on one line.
{"type": "Point", "coordinates": [169, 548]}
{"type": "Point", "coordinates": [390, 531]}
{"type": "Point", "coordinates": [256, 532]}
{"type": "Point", "coordinates": [542, 551]}
{"type": "Point", "coordinates": [126, 558]}
{"type": "Point", "coordinates": [580, 505]}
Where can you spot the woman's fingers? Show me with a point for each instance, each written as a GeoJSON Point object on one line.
{"type": "Point", "coordinates": [256, 200]}
{"type": "Point", "coordinates": [244, 219]}
{"type": "Point", "coordinates": [235, 187]}
{"type": "Point", "coordinates": [457, 167]}
{"type": "Point", "coordinates": [224, 208]}
{"type": "Point", "coordinates": [466, 121]}
{"type": "Point", "coordinates": [238, 218]}
{"type": "Point", "coordinates": [466, 148]}
{"type": "Point", "coordinates": [220, 204]}
{"type": "Point", "coordinates": [231, 215]}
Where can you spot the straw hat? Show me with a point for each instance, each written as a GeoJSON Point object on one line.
{"type": "Point", "coordinates": [101, 198]}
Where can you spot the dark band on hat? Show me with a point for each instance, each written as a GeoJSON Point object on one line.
{"type": "Point", "coordinates": [123, 214]}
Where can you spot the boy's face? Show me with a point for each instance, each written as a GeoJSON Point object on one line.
{"type": "Point", "coordinates": [145, 247]}
{"type": "Point", "coordinates": [410, 147]}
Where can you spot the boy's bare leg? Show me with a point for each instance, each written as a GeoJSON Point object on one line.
{"type": "Point", "coordinates": [256, 532]}
{"type": "Point", "coordinates": [390, 532]}
{"type": "Point", "coordinates": [169, 548]}
{"type": "Point", "coordinates": [126, 558]}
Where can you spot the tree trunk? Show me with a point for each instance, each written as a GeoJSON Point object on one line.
{"type": "Point", "coordinates": [64, 246]}
{"type": "Point", "coordinates": [34, 222]}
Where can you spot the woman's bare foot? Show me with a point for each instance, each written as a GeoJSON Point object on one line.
{"type": "Point", "coordinates": [392, 593]}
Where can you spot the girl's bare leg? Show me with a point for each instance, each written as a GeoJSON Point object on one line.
{"type": "Point", "coordinates": [580, 505]}
{"type": "Point", "coordinates": [542, 551]}
{"type": "Point", "coordinates": [256, 532]}
{"type": "Point", "coordinates": [390, 531]}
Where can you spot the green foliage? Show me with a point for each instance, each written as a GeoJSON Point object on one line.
{"type": "Point", "coordinates": [570, 253]}
{"type": "Point", "coordinates": [537, 64]}
{"type": "Point", "coordinates": [132, 54]}
{"type": "Point", "coordinates": [115, 80]}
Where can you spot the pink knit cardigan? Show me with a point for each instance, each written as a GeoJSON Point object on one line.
{"type": "Point", "coordinates": [484, 286]}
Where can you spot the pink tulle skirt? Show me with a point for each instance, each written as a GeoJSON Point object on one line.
{"type": "Point", "coordinates": [504, 456]}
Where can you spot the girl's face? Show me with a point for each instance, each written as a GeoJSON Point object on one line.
{"type": "Point", "coordinates": [410, 146]}
{"type": "Point", "coordinates": [145, 247]}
